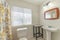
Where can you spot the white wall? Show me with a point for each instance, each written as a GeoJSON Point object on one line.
{"type": "Point", "coordinates": [54, 23]}
{"type": "Point", "coordinates": [35, 14]}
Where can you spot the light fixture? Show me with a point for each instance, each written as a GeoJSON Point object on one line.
{"type": "Point", "coordinates": [47, 3]}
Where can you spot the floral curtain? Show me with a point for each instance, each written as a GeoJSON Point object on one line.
{"type": "Point", "coordinates": [5, 24]}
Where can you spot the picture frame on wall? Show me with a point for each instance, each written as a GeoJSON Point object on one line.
{"type": "Point", "coordinates": [51, 14]}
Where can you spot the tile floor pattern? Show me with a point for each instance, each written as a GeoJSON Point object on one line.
{"type": "Point", "coordinates": [29, 39]}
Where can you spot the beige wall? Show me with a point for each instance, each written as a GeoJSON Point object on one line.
{"type": "Point", "coordinates": [54, 23]}
{"type": "Point", "coordinates": [35, 15]}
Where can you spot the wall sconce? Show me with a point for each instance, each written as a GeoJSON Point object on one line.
{"type": "Point", "coordinates": [46, 4]}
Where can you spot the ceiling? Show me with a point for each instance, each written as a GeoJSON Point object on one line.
{"type": "Point", "coordinates": [37, 2]}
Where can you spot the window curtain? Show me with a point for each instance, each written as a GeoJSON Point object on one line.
{"type": "Point", "coordinates": [5, 23]}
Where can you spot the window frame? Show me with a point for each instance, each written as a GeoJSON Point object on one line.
{"type": "Point", "coordinates": [12, 9]}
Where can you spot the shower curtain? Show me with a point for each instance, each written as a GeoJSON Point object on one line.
{"type": "Point", "coordinates": [5, 23]}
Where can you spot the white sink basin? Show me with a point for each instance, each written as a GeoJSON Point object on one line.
{"type": "Point", "coordinates": [50, 28]}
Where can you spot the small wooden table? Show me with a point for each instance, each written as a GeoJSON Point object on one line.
{"type": "Point", "coordinates": [37, 31]}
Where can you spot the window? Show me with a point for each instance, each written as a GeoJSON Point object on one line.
{"type": "Point", "coordinates": [21, 16]}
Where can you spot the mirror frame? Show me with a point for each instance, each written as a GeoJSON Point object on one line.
{"type": "Point", "coordinates": [51, 14]}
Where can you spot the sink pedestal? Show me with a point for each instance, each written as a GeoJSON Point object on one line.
{"type": "Point", "coordinates": [49, 30]}
{"type": "Point", "coordinates": [48, 35]}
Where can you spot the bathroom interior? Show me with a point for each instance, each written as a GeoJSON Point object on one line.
{"type": "Point", "coordinates": [37, 20]}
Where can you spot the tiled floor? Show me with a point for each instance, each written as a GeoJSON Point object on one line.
{"type": "Point", "coordinates": [29, 39]}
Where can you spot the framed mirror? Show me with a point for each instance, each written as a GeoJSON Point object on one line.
{"type": "Point", "coordinates": [51, 14]}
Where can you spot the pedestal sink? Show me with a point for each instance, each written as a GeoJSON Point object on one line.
{"type": "Point", "coordinates": [49, 30]}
